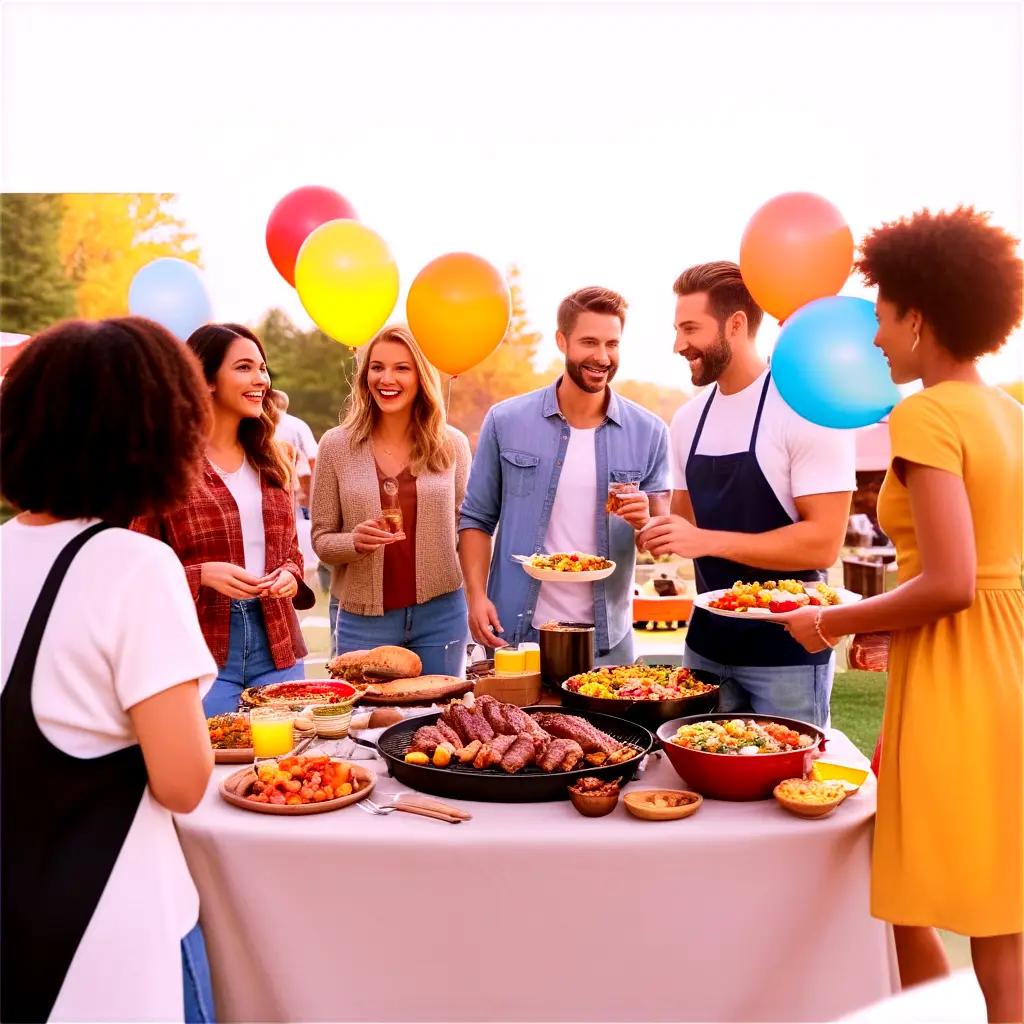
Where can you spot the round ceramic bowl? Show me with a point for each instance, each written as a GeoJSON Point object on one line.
{"type": "Point", "coordinates": [593, 806]}
{"type": "Point", "coordinates": [806, 808]}
{"type": "Point", "coordinates": [659, 804]}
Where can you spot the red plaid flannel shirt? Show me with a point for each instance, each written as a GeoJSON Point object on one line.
{"type": "Point", "coordinates": [207, 528]}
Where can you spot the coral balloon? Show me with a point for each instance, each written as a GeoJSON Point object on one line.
{"type": "Point", "coordinates": [827, 368]}
{"type": "Point", "coordinates": [347, 281]}
{"type": "Point", "coordinates": [171, 292]}
{"type": "Point", "coordinates": [296, 217]}
{"type": "Point", "coordinates": [796, 248]}
{"type": "Point", "coordinates": [458, 310]}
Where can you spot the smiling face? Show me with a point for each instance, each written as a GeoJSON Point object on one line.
{"type": "Point", "coordinates": [700, 339]}
{"type": "Point", "coordinates": [242, 381]}
{"type": "Point", "coordinates": [896, 338]}
{"type": "Point", "coordinates": [391, 376]}
{"type": "Point", "coordinates": [592, 350]}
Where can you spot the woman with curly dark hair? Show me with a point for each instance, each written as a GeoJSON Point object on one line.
{"type": "Point", "coordinates": [235, 533]}
{"type": "Point", "coordinates": [948, 837]}
{"type": "Point", "coordinates": [104, 665]}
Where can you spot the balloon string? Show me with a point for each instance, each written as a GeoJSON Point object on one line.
{"type": "Point", "coordinates": [451, 381]}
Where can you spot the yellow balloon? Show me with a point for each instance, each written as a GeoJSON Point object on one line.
{"type": "Point", "coordinates": [347, 281]}
{"type": "Point", "coordinates": [458, 310]}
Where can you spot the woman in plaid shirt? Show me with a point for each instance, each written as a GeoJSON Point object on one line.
{"type": "Point", "coordinates": [235, 534]}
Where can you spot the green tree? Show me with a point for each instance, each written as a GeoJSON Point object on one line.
{"type": "Point", "coordinates": [34, 290]}
{"type": "Point", "coordinates": [315, 371]}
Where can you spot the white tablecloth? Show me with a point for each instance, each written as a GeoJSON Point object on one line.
{"type": "Point", "coordinates": [531, 912]}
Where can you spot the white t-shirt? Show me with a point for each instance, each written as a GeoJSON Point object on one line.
{"type": "Point", "coordinates": [571, 528]}
{"type": "Point", "coordinates": [123, 628]}
{"type": "Point", "coordinates": [296, 432]}
{"type": "Point", "coordinates": [244, 485]}
{"type": "Point", "coordinates": [796, 456]}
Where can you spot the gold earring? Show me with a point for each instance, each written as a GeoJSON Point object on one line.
{"type": "Point", "coordinates": [917, 341]}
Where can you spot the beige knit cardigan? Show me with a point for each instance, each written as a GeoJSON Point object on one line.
{"type": "Point", "coordinates": [346, 492]}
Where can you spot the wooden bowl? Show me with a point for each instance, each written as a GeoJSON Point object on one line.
{"type": "Point", "coordinates": [640, 803]}
{"type": "Point", "coordinates": [521, 689]}
{"type": "Point", "coordinates": [803, 809]}
{"type": "Point", "coordinates": [592, 806]}
{"type": "Point", "coordinates": [236, 785]}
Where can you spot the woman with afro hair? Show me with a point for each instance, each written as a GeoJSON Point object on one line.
{"type": "Point", "coordinates": [948, 849]}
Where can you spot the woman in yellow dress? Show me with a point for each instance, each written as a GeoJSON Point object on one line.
{"type": "Point", "coordinates": [948, 849]}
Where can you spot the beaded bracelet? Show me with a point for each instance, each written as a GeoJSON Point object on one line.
{"type": "Point", "coordinates": [821, 636]}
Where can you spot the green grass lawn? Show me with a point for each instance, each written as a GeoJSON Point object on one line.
{"type": "Point", "coordinates": [857, 702]}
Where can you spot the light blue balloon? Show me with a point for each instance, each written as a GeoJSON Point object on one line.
{"type": "Point", "coordinates": [171, 292]}
{"type": "Point", "coordinates": [827, 368]}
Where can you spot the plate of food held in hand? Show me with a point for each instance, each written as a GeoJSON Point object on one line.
{"type": "Point", "coordinates": [566, 567]}
{"type": "Point", "coordinates": [765, 601]}
{"type": "Point", "coordinates": [298, 785]}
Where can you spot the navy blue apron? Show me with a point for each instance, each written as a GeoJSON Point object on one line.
{"type": "Point", "coordinates": [63, 821]}
{"type": "Point", "coordinates": [729, 492]}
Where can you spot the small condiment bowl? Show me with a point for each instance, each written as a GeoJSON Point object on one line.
{"type": "Point", "coordinates": [641, 804]}
{"type": "Point", "coordinates": [806, 809]}
{"type": "Point", "coordinates": [594, 805]}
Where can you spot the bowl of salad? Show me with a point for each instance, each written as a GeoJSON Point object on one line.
{"type": "Point", "coordinates": [646, 694]}
{"type": "Point", "coordinates": [739, 757]}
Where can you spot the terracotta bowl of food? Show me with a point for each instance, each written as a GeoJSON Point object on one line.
{"type": "Point", "coordinates": [593, 797]}
{"type": "Point", "coordinates": [662, 804]}
{"type": "Point", "coordinates": [809, 798]}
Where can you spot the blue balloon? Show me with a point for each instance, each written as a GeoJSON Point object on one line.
{"type": "Point", "coordinates": [827, 368]}
{"type": "Point", "coordinates": [171, 292]}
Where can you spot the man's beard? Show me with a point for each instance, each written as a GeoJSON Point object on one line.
{"type": "Point", "coordinates": [713, 361]}
{"type": "Point", "coordinates": [575, 371]}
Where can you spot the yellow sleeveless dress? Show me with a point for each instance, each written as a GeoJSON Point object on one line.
{"type": "Point", "coordinates": [948, 845]}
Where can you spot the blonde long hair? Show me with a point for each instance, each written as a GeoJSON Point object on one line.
{"type": "Point", "coordinates": [431, 446]}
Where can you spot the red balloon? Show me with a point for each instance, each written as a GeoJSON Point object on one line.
{"type": "Point", "coordinates": [296, 217]}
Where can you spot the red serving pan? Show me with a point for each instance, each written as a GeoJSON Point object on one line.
{"type": "Point", "coordinates": [738, 776]}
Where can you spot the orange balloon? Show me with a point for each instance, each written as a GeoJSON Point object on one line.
{"type": "Point", "coordinates": [796, 248]}
{"type": "Point", "coordinates": [458, 310]}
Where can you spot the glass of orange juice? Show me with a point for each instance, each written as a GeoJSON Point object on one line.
{"type": "Point", "coordinates": [272, 732]}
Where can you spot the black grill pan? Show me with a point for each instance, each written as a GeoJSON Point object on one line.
{"type": "Point", "coordinates": [464, 782]}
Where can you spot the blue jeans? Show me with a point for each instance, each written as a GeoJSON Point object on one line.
{"type": "Point", "coordinates": [195, 974]}
{"type": "Point", "coordinates": [437, 631]}
{"type": "Point", "coordinates": [790, 691]}
{"type": "Point", "coordinates": [249, 662]}
{"type": "Point", "coordinates": [324, 575]}
{"type": "Point", "coordinates": [620, 654]}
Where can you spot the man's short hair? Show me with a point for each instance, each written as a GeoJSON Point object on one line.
{"type": "Point", "coordinates": [725, 290]}
{"type": "Point", "coordinates": [279, 398]}
{"type": "Point", "coordinates": [589, 300]}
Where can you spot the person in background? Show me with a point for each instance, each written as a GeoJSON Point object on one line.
{"type": "Point", "coordinates": [103, 667]}
{"type": "Point", "coordinates": [542, 471]}
{"type": "Point", "coordinates": [760, 494]}
{"type": "Point", "coordinates": [394, 454]}
{"type": "Point", "coordinates": [949, 841]}
{"type": "Point", "coordinates": [296, 433]}
{"type": "Point", "coordinates": [235, 532]}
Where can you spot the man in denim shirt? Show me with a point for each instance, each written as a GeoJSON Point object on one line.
{"type": "Point", "coordinates": [542, 468]}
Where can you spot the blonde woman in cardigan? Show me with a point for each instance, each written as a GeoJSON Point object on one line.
{"type": "Point", "coordinates": [394, 450]}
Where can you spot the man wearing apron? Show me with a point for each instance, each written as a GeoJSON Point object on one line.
{"type": "Point", "coordinates": [759, 494]}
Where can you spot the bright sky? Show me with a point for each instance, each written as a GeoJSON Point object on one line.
{"type": "Point", "coordinates": [609, 144]}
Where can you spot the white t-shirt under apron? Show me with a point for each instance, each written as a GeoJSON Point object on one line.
{"type": "Point", "coordinates": [244, 485]}
{"type": "Point", "coordinates": [572, 527]}
{"type": "Point", "coordinates": [796, 456]}
{"type": "Point", "coordinates": [123, 628]}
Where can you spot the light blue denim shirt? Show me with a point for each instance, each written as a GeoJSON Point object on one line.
{"type": "Point", "coordinates": [512, 484]}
